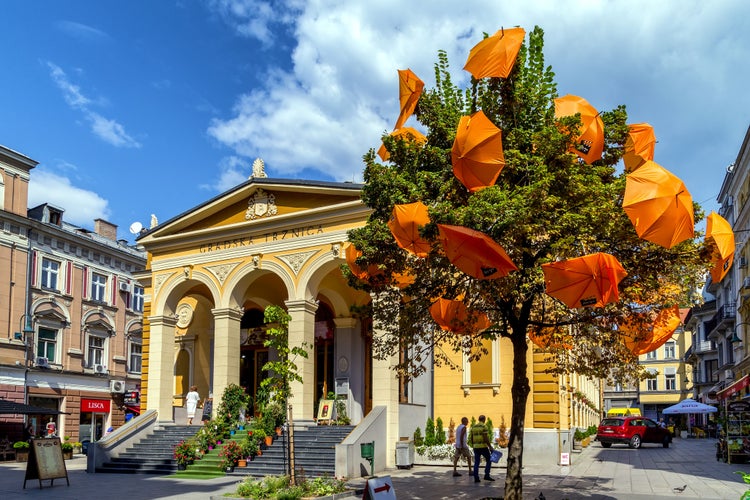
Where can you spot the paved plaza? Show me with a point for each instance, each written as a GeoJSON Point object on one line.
{"type": "Point", "coordinates": [687, 470]}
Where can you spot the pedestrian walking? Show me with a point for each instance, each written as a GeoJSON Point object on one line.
{"type": "Point", "coordinates": [480, 441]}
{"type": "Point", "coordinates": [462, 446]}
{"type": "Point", "coordinates": [191, 403]}
{"type": "Point", "coordinates": [208, 407]}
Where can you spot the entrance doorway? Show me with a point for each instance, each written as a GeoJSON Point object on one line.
{"type": "Point", "coordinates": [253, 354]}
{"type": "Point", "coordinates": [324, 351]}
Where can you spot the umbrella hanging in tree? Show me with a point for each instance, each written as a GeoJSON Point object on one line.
{"type": "Point", "coordinates": [639, 146]}
{"type": "Point", "coordinates": [477, 153]}
{"type": "Point", "coordinates": [406, 134]}
{"type": "Point", "coordinates": [550, 337]}
{"type": "Point", "coordinates": [475, 253]}
{"type": "Point", "coordinates": [352, 254]}
{"type": "Point", "coordinates": [590, 280]}
{"type": "Point", "coordinates": [409, 90]}
{"type": "Point", "coordinates": [590, 141]}
{"type": "Point", "coordinates": [720, 232]}
{"type": "Point", "coordinates": [495, 55]}
{"type": "Point", "coordinates": [404, 224]}
{"type": "Point", "coordinates": [454, 316]}
{"type": "Point", "coordinates": [641, 337]}
{"type": "Point", "coordinates": [659, 205]}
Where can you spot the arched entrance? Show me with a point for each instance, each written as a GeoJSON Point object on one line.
{"type": "Point", "coordinates": [253, 354]}
{"type": "Point", "coordinates": [324, 351]}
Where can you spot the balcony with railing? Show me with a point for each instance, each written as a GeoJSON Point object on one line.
{"type": "Point", "coordinates": [724, 318]}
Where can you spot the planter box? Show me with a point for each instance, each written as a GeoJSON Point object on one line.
{"type": "Point", "coordinates": [22, 454]}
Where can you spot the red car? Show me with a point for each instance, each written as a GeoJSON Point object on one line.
{"type": "Point", "coordinates": [632, 431]}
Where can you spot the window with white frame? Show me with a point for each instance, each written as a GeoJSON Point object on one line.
{"type": "Point", "coordinates": [486, 369]}
{"type": "Point", "coordinates": [96, 349]}
{"type": "Point", "coordinates": [652, 383]}
{"type": "Point", "coordinates": [669, 349]}
{"type": "Point", "coordinates": [46, 346]}
{"type": "Point", "coordinates": [98, 287]}
{"type": "Point", "coordinates": [135, 355]}
{"type": "Point", "coordinates": [50, 273]}
{"type": "Point", "coordinates": [670, 379]}
{"type": "Point", "coordinates": [651, 355]}
{"type": "Point", "coordinates": [137, 299]}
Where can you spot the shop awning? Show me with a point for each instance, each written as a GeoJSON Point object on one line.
{"type": "Point", "coordinates": [133, 409]}
{"type": "Point", "coordinates": [14, 408]}
{"type": "Point", "coordinates": [734, 388]}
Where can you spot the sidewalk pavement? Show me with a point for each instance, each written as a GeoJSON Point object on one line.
{"type": "Point", "coordinates": [686, 470]}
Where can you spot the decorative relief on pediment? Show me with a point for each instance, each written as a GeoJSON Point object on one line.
{"type": "Point", "coordinates": [159, 280]}
{"type": "Point", "coordinates": [261, 204]}
{"type": "Point", "coordinates": [221, 271]}
{"type": "Point", "coordinates": [297, 260]}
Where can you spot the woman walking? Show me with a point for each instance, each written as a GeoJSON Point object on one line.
{"type": "Point", "coordinates": [191, 403]}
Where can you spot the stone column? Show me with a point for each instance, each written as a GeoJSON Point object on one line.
{"type": "Point", "coordinates": [161, 366]}
{"type": "Point", "coordinates": [385, 389]}
{"type": "Point", "coordinates": [226, 350]}
{"type": "Point", "coordinates": [302, 333]}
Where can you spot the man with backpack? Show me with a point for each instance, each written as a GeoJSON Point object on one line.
{"type": "Point", "coordinates": [480, 441]}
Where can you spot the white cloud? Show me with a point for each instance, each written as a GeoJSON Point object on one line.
{"type": "Point", "coordinates": [81, 31]}
{"type": "Point", "coordinates": [252, 18]}
{"type": "Point", "coordinates": [234, 171]}
{"type": "Point", "coordinates": [81, 206]}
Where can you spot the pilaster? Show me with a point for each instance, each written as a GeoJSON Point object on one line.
{"type": "Point", "coordinates": [161, 366]}
{"type": "Point", "coordinates": [226, 362]}
{"type": "Point", "coordinates": [302, 334]}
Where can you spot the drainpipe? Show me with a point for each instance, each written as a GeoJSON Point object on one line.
{"type": "Point", "coordinates": [28, 330]}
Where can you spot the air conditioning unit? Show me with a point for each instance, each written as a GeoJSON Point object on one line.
{"type": "Point", "coordinates": [100, 369]}
{"type": "Point", "coordinates": [117, 386]}
{"type": "Point", "coordinates": [41, 362]}
{"type": "Point", "coordinates": [746, 282]}
{"type": "Point", "coordinates": [743, 262]}
{"type": "Point", "coordinates": [124, 286]}
{"type": "Point", "coordinates": [729, 374]}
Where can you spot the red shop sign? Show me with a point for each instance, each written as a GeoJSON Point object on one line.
{"type": "Point", "coordinates": [95, 405]}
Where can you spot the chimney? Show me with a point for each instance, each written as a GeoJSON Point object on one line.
{"type": "Point", "coordinates": [105, 229]}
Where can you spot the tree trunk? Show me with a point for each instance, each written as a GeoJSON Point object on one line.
{"type": "Point", "coordinates": [520, 394]}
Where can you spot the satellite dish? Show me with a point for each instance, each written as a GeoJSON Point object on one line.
{"type": "Point", "coordinates": [135, 227]}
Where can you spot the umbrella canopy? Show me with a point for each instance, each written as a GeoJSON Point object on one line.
{"type": "Point", "coordinates": [477, 153]}
{"type": "Point", "coordinates": [689, 405]}
{"type": "Point", "coordinates": [720, 232]}
{"type": "Point", "coordinates": [352, 254]}
{"type": "Point", "coordinates": [659, 205]}
{"type": "Point", "coordinates": [409, 90]}
{"type": "Point", "coordinates": [590, 141]}
{"type": "Point", "coordinates": [639, 146]}
{"type": "Point", "coordinates": [14, 408]}
{"type": "Point", "coordinates": [550, 337]}
{"type": "Point", "coordinates": [406, 134]}
{"type": "Point", "coordinates": [454, 316]}
{"type": "Point", "coordinates": [590, 280]}
{"type": "Point", "coordinates": [495, 55]}
{"type": "Point", "coordinates": [404, 224]}
{"type": "Point", "coordinates": [475, 253]}
{"type": "Point", "coordinates": [642, 339]}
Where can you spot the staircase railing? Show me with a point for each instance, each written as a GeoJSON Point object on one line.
{"type": "Point", "coordinates": [133, 431]}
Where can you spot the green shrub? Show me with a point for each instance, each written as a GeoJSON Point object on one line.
{"type": "Point", "coordinates": [418, 439]}
{"type": "Point", "coordinates": [429, 432]}
{"type": "Point", "coordinates": [439, 432]}
{"type": "Point", "coordinates": [490, 427]}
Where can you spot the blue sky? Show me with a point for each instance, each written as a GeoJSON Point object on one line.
{"type": "Point", "coordinates": [144, 107]}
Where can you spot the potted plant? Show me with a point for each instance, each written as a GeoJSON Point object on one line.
{"type": "Point", "coordinates": [67, 448]}
{"type": "Point", "coordinates": [274, 412]}
{"type": "Point", "coordinates": [230, 454]}
{"type": "Point", "coordinates": [22, 451]}
{"type": "Point", "coordinates": [250, 447]}
{"type": "Point", "coordinates": [185, 453]}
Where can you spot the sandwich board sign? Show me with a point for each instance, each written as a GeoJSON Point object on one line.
{"type": "Point", "coordinates": [45, 461]}
{"type": "Point", "coordinates": [379, 488]}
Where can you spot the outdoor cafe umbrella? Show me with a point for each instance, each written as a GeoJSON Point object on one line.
{"type": "Point", "coordinates": [409, 90]}
{"type": "Point", "coordinates": [590, 140]}
{"type": "Point", "coordinates": [454, 316]}
{"type": "Point", "coordinates": [639, 146]}
{"type": "Point", "coordinates": [659, 205]}
{"type": "Point", "coordinates": [406, 134]}
{"type": "Point", "coordinates": [495, 55]}
{"type": "Point", "coordinates": [720, 232]}
{"type": "Point", "coordinates": [475, 253]}
{"type": "Point", "coordinates": [689, 406]}
{"type": "Point", "coordinates": [477, 152]}
{"type": "Point", "coordinates": [404, 224]}
{"type": "Point", "coordinates": [590, 280]}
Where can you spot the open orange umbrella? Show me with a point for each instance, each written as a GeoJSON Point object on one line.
{"type": "Point", "coordinates": [404, 224]}
{"type": "Point", "coordinates": [659, 205]}
{"type": "Point", "coordinates": [641, 337]}
{"type": "Point", "coordinates": [454, 316]}
{"type": "Point", "coordinates": [590, 140]}
{"type": "Point", "coordinates": [406, 134]}
{"type": "Point", "coordinates": [590, 280]}
{"type": "Point", "coordinates": [409, 90]}
{"type": "Point", "coordinates": [550, 337]}
{"type": "Point", "coordinates": [495, 55]}
{"type": "Point", "coordinates": [639, 146]}
{"type": "Point", "coordinates": [719, 230]}
{"type": "Point", "coordinates": [475, 253]}
{"type": "Point", "coordinates": [352, 254]}
{"type": "Point", "coordinates": [477, 153]}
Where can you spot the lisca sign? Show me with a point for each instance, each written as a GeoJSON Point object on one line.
{"type": "Point", "coordinates": [95, 405]}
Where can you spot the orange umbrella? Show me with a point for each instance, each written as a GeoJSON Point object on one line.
{"type": "Point", "coordinates": [639, 146]}
{"type": "Point", "coordinates": [550, 337]}
{"type": "Point", "coordinates": [352, 254]}
{"type": "Point", "coordinates": [659, 205]}
{"type": "Point", "coordinates": [475, 253]}
{"type": "Point", "coordinates": [477, 153]}
{"type": "Point", "coordinates": [454, 316]}
{"type": "Point", "coordinates": [641, 339]}
{"type": "Point", "coordinates": [404, 224]}
{"type": "Point", "coordinates": [721, 232]}
{"type": "Point", "coordinates": [406, 134]}
{"type": "Point", "coordinates": [590, 280]}
{"type": "Point", "coordinates": [409, 90]}
{"type": "Point", "coordinates": [495, 55]}
{"type": "Point", "coordinates": [590, 141]}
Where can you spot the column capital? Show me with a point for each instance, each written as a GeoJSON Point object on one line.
{"type": "Point", "coordinates": [345, 322]}
{"type": "Point", "coordinates": [169, 321]}
{"type": "Point", "coordinates": [227, 313]}
{"type": "Point", "coordinates": [306, 306]}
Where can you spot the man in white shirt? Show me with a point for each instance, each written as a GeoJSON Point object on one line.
{"type": "Point", "coordinates": [462, 446]}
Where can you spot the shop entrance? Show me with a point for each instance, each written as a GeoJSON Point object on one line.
{"type": "Point", "coordinates": [93, 419]}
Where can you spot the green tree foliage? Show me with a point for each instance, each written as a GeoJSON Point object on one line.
{"type": "Point", "coordinates": [282, 370]}
{"type": "Point", "coordinates": [418, 439]}
{"type": "Point", "coordinates": [429, 432]}
{"type": "Point", "coordinates": [546, 205]}
{"type": "Point", "coordinates": [439, 432]}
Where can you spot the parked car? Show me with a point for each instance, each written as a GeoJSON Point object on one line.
{"type": "Point", "coordinates": [632, 431]}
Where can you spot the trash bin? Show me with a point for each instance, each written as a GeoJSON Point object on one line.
{"type": "Point", "coordinates": [405, 454]}
{"type": "Point", "coordinates": [367, 450]}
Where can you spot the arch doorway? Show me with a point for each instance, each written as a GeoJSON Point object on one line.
{"type": "Point", "coordinates": [253, 354]}
{"type": "Point", "coordinates": [324, 351]}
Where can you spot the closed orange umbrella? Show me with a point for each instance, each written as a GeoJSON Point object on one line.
{"type": "Point", "coordinates": [477, 153]}
{"type": "Point", "coordinates": [642, 338]}
{"type": "Point", "coordinates": [475, 253]}
{"type": "Point", "coordinates": [659, 205]}
{"type": "Point", "coordinates": [495, 55]}
{"type": "Point", "coordinates": [352, 254]}
{"type": "Point", "coordinates": [404, 224]}
{"type": "Point", "coordinates": [639, 146]}
{"type": "Point", "coordinates": [409, 90]}
{"type": "Point", "coordinates": [405, 133]}
{"type": "Point", "coordinates": [720, 232]}
{"type": "Point", "coordinates": [454, 316]}
{"type": "Point", "coordinates": [590, 140]}
{"type": "Point", "coordinates": [590, 280]}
